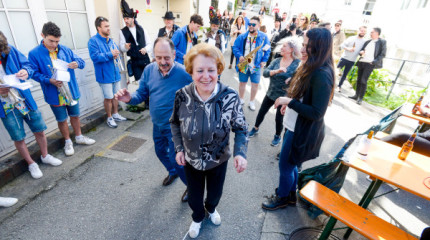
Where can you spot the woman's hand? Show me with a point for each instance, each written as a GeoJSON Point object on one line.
{"type": "Point", "coordinates": [180, 158]}
{"type": "Point", "coordinates": [240, 163]}
{"type": "Point", "coordinates": [282, 101]}
{"type": "Point", "coordinates": [287, 80]}
{"type": "Point", "coordinates": [282, 70]}
{"type": "Point", "coordinates": [283, 109]}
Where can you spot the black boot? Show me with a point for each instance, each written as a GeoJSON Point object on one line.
{"type": "Point", "coordinates": [275, 202]}
{"type": "Point", "coordinates": [292, 198]}
{"type": "Point", "coordinates": [354, 97]}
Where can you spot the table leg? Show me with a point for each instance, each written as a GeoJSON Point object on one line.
{"type": "Point", "coordinates": [366, 199]}
{"type": "Point", "coordinates": [328, 228]}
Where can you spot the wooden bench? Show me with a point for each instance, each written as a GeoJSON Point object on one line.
{"type": "Point", "coordinates": [380, 135]}
{"type": "Point", "coordinates": [354, 216]}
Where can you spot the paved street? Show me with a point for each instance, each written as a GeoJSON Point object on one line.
{"type": "Point", "coordinates": [100, 193]}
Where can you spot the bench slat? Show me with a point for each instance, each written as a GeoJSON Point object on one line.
{"type": "Point", "coordinates": [354, 216]}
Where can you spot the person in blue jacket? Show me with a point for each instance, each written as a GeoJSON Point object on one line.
{"type": "Point", "coordinates": [186, 37]}
{"type": "Point", "coordinates": [103, 53]}
{"type": "Point", "coordinates": [244, 44]}
{"type": "Point", "coordinates": [19, 106]}
{"type": "Point", "coordinates": [42, 57]}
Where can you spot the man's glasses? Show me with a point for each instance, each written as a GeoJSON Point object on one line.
{"type": "Point", "coordinates": [252, 24]}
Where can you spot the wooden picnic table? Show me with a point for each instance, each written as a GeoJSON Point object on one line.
{"type": "Point", "coordinates": [407, 112]}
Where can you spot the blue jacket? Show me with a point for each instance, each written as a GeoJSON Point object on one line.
{"type": "Point", "coordinates": [260, 56]}
{"type": "Point", "coordinates": [160, 90]}
{"type": "Point", "coordinates": [15, 62]}
{"type": "Point", "coordinates": [179, 38]}
{"type": "Point", "coordinates": [101, 55]}
{"type": "Point", "coordinates": [40, 59]}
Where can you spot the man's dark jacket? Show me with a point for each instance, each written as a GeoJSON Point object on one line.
{"type": "Point", "coordinates": [380, 51]}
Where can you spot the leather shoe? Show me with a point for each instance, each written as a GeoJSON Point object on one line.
{"type": "Point", "coordinates": [292, 198]}
{"type": "Point", "coordinates": [355, 97]}
{"type": "Point", "coordinates": [185, 196]}
{"type": "Point", "coordinates": [169, 179]}
{"type": "Point", "coordinates": [359, 101]}
{"type": "Point", "coordinates": [275, 202]}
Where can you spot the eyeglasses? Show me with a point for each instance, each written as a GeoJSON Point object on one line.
{"type": "Point", "coordinates": [252, 24]}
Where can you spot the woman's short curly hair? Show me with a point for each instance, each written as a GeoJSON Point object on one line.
{"type": "Point", "coordinates": [206, 50]}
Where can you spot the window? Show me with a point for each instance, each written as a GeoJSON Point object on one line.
{"type": "Point", "coordinates": [71, 18]}
{"type": "Point", "coordinates": [17, 25]}
{"type": "Point", "coordinates": [368, 8]}
{"type": "Point", "coordinates": [348, 2]}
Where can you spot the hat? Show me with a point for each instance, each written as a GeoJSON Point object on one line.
{"type": "Point", "coordinates": [314, 18]}
{"type": "Point", "coordinates": [215, 21]}
{"type": "Point", "coordinates": [338, 23]}
{"type": "Point", "coordinates": [212, 13]}
{"type": "Point", "coordinates": [278, 18]}
{"type": "Point", "coordinates": [168, 16]}
{"type": "Point", "coordinates": [126, 11]}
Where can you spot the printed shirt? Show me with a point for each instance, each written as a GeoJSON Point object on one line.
{"type": "Point", "coordinates": [251, 44]}
{"type": "Point", "coordinates": [7, 101]}
{"type": "Point", "coordinates": [61, 99]}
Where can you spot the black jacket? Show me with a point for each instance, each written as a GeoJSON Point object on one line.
{"type": "Point", "coordinates": [309, 130]}
{"type": "Point", "coordinates": [137, 58]}
{"type": "Point", "coordinates": [380, 51]}
{"type": "Point", "coordinates": [162, 31]}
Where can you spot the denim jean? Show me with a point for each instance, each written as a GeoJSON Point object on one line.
{"type": "Point", "coordinates": [165, 151]}
{"type": "Point", "coordinates": [14, 123]}
{"type": "Point", "coordinates": [288, 173]}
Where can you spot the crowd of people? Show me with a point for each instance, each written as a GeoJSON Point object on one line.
{"type": "Point", "coordinates": [192, 111]}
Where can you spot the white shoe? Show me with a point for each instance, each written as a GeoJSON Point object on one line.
{"type": "Point", "coordinates": [252, 105]}
{"type": "Point", "coordinates": [194, 230]}
{"type": "Point", "coordinates": [215, 217]}
{"type": "Point", "coordinates": [7, 201]}
{"type": "Point", "coordinates": [118, 117]}
{"type": "Point", "coordinates": [51, 160]}
{"type": "Point", "coordinates": [35, 171]}
{"type": "Point", "coordinates": [242, 101]}
{"type": "Point", "coordinates": [84, 140]}
{"type": "Point", "coordinates": [68, 148]}
{"type": "Point", "coordinates": [111, 123]}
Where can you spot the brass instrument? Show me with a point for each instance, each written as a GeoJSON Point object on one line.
{"type": "Point", "coordinates": [249, 57]}
{"type": "Point", "coordinates": [117, 61]}
{"type": "Point", "coordinates": [13, 95]}
{"type": "Point", "coordinates": [64, 89]}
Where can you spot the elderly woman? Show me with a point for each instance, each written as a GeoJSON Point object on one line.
{"type": "Point", "coordinates": [308, 97]}
{"type": "Point", "coordinates": [279, 71]}
{"type": "Point", "coordinates": [204, 113]}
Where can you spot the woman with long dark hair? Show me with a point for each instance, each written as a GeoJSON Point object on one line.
{"type": "Point", "coordinates": [307, 100]}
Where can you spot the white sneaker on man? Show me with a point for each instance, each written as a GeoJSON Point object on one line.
{"type": "Point", "coordinates": [252, 105]}
{"type": "Point", "coordinates": [194, 230]}
{"type": "Point", "coordinates": [68, 148]}
{"type": "Point", "coordinates": [84, 140]}
{"type": "Point", "coordinates": [215, 217]}
{"type": "Point", "coordinates": [111, 123]}
{"type": "Point", "coordinates": [51, 160]}
{"type": "Point", "coordinates": [118, 117]}
{"type": "Point", "coordinates": [35, 171]}
{"type": "Point", "coordinates": [241, 101]}
{"type": "Point", "coordinates": [7, 201]}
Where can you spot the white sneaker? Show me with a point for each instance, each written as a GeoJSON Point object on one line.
{"type": "Point", "coordinates": [68, 148]}
{"type": "Point", "coordinates": [84, 140]}
{"type": "Point", "coordinates": [252, 105]}
{"type": "Point", "coordinates": [35, 171]}
{"type": "Point", "coordinates": [111, 123]}
{"type": "Point", "coordinates": [118, 117]}
{"type": "Point", "coordinates": [7, 201]}
{"type": "Point", "coordinates": [51, 160]}
{"type": "Point", "coordinates": [242, 101]}
{"type": "Point", "coordinates": [215, 217]}
{"type": "Point", "coordinates": [194, 230]}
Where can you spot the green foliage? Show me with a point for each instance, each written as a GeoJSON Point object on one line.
{"type": "Point", "coordinates": [378, 80]}
{"type": "Point", "coordinates": [135, 108]}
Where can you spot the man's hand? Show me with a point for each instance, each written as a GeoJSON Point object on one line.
{"type": "Point", "coordinates": [241, 59]}
{"type": "Point", "coordinates": [351, 49]}
{"type": "Point", "coordinates": [143, 51]}
{"type": "Point", "coordinates": [115, 53]}
{"type": "Point", "coordinates": [73, 65]}
{"type": "Point", "coordinates": [180, 158]}
{"type": "Point", "coordinates": [56, 83]}
{"type": "Point", "coordinates": [4, 91]}
{"type": "Point", "coordinates": [22, 74]}
{"type": "Point", "coordinates": [123, 95]}
{"type": "Point", "coordinates": [240, 163]}
{"type": "Point", "coordinates": [262, 64]}
{"type": "Point", "coordinates": [127, 46]}
{"type": "Point", "coordinates": [361, 52]}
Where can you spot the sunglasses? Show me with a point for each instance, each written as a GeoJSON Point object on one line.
{"type": "Point", "coordinates": [252, 24]}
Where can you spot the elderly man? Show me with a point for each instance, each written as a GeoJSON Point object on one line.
{"type": "Point", "coordinates": [170, 27]}
{"type": "Point", "coordinates": [160, 81]}
{"type": "Point", "coordinates": [186, 37]}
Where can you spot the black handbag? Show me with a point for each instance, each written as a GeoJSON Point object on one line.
{"type": "Point", "coordinates": [129, 68]}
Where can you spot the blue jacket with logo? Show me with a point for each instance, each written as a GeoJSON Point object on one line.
{"type": "Point", "coordinates": [14, 63]}
{"type": "Point", "coordinates": [101, 55]}
{"type": "Point", "coordinates": [260, 56]}
{"type": "Point", "coordinates": [40, 59]}
{"type": "Point", "coordinates": [179, 38]}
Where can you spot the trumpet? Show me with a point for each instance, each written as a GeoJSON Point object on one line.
{"type": "Point", "coordinates": [117, 61]}
{"type": "Point", "coordinates": [12, 95]}
{"type": "Point", "coordinates": [249, 57]}
{"type": "Point", "coordinates": [64, 90]}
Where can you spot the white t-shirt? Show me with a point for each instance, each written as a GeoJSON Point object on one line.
{"type": "Point", "coordinates": [290, 118]}
{"type": "Point", "coordinates": [369, 52]}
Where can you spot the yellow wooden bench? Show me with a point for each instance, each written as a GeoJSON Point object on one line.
{"type": "Point", "coordinates": [352, 215]}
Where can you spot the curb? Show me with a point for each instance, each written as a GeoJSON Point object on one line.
{"type": "Point", "coordinates": [13, 165]}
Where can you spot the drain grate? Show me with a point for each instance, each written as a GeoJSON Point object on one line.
{"type": "Point", "coordinates": [128, 144]}
{"type": "Point", "coordinates": [309, 233]}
